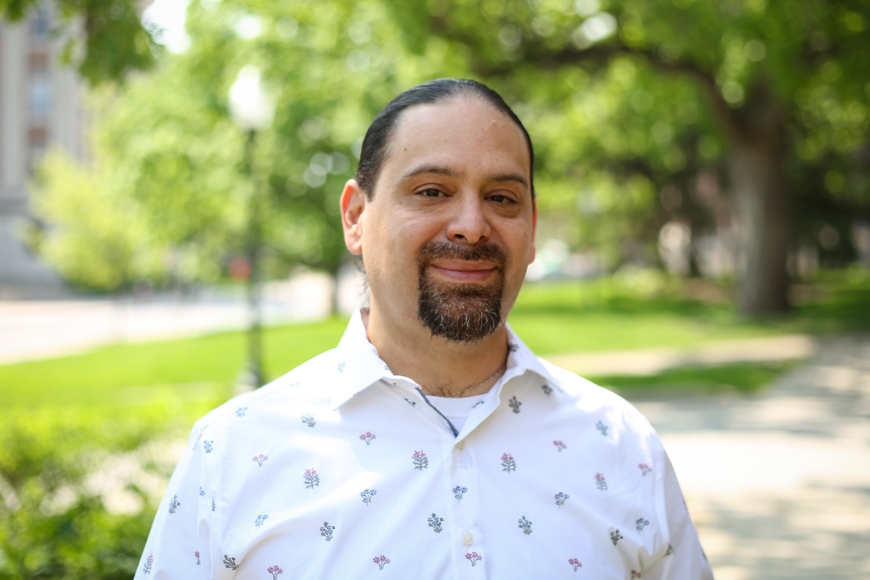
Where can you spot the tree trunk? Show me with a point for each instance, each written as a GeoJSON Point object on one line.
{"type": "Point", "coordinates": [762, 207]}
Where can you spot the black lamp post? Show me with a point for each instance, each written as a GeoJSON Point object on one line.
{"type": "Point", "coordinates": [252, 110]}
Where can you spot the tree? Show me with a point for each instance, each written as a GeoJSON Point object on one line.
{"type": "Point", "coordinates": [783, 88]}
{"type": "Point", "coordinates": [110, 32]}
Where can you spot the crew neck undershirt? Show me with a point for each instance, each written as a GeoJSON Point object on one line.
{"type": "Point", "coordinates": [456, 409]}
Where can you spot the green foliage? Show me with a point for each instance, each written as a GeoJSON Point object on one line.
{"type": "Point", "coordinates": [54, 519]}
{"type": "Point", "coordinates": [114, 41]}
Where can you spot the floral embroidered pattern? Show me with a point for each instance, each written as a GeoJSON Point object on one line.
{"type": "Point", "coordinates": [640, 523]}
{"type": "Point", "coordinates": [149, 562]}
{"type": "Point", "coordinates": [311, 478]}
{"type": "Point", "coordinates": [635, 574]}
{"type": "Point", "coordinates": [367, 495]}
{"type": "Point", "coordinates": [560, 498]}
{"type": "Point", "coordinates": [261, 519]}
{"type": "Point", "coordinates": [367, 437]}
{"type": "Point", "coordinates": [458, 491]}
{"type": "Point", "coordinates": [340, 367]}
{"type": "Point", "coordinates": [208, 446]}
{"type": "Point", "coordinates": [274, 571]}
{"type": "Point", "coordinates": [201, 492]}
{"type": "Point", "coordinates": [525, 525]}
{"type": "Point", "coordinates": [230, 563]}
{"type": "Point", "coordinates": [601, 427]}
{"type": "Point", "coordinates": [615, 536]}
{"type": "Point", "coordinates": [260, 459]}
{"type": "Point", "coordinates": [548, 390]}
{"type": "Point", "coordinates": [421, 462]}
{"type": "Point", "coordinates": [600, 482]}
{"type": "Point", "coordinates": [381, 561]}
{"type": "Point", "coordinates": [670, 550]}
{"type": "Point", "coordinates": [173, 504]}
{"type": "Point", "coordinates": [435, 523]}
{"type": "Point", "coordinates": [308, 419]}
{"type": "Point", "coordinates": [326, 531]}
{"type": "Point", "coordinates": [474, 557]}
{"type": "Point", "coordinates": [212, 504]}
{"type": "Point", "coordinates": [644, 468]}
{"type": "Point", "coordinates": [197, 558]}
{"type": "Point", "coordinates": [507, 462]}
{"type": "Point", "coordinates": [240, 412]}
{"type": "Point", "coordinates": [410, 402]}
{"type": "Point", "coordinates": [575, 562]}
{"type": "Point", "coordinates": [559, 445]}
{"type": "Point", "coordinates": [514, 404]}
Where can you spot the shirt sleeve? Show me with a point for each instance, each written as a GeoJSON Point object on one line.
{"type": "Point", "coordinates": [178, 544]}
{"type": "Point", "coordinates": [685, 559]}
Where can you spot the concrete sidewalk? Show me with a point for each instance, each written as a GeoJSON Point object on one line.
{"type": "Point", "coordinates": [779, 483]}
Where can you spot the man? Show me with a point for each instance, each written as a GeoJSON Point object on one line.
{"type": "Point", "coordinates": [431, 443]}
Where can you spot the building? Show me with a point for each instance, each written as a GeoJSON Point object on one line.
{"type": "Point", "coordinates": [40, 108]}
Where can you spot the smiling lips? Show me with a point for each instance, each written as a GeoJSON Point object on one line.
{"type": "Point", "coordinates": [465, 271]}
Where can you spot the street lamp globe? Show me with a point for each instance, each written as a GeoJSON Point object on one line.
{"type": "Point", "coordinates": [251, 107]}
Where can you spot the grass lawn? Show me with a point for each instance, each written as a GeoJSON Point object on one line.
{"type": "Point", "coordinates": [190, 375]}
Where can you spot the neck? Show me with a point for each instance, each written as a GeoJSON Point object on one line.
{"type": "Point", "coordinates": [441, 367]}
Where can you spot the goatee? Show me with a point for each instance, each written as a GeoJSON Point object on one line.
{"type": "Point", "coordinates": [460, 312]}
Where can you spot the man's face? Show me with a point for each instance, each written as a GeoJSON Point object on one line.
{"type": "Point", "coordinates": [449, 231]}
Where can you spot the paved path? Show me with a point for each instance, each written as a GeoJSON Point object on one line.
{"type": "Point", "coordinates": [779, 484]}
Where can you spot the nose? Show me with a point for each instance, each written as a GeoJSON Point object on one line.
{"type": "Point", "coordinates": [469, 224]}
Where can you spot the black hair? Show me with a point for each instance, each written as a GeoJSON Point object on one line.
{"type": "Point", "coordinates": [377, 139]}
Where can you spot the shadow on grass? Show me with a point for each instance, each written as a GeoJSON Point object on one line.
{"type": "Point", "coordinates": [739, 377]}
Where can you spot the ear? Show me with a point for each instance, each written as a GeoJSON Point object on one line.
{"type": "Point", "coordinates": [534, 229]}
{"type": "Point", "coordinates": [353, 202]}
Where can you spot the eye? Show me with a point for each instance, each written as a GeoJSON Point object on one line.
{"type": "Point", "coordinates": [499, 198]}
{"type": "Point", "coordinates": [431, 192]}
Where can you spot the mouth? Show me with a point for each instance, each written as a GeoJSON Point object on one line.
{"type": "Point", "coordinates": [465, 271]}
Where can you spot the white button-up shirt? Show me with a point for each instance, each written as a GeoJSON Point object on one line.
{"type": "Point", "coordinates": [341, 469]}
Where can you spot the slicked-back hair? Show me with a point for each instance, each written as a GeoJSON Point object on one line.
{"type": "Point", "coordinates": [377, 140]}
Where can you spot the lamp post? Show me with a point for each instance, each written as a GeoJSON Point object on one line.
{"type": "Point", "coordinates": [252, 110]}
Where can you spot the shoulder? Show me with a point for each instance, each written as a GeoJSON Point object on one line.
{"type": "Point", "coordinates": [601, 402]}
{"type": "Point", "coordinates": [301, 388]}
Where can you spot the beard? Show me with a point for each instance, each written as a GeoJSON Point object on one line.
{"type": "Point", "coordinates": [461, 312]}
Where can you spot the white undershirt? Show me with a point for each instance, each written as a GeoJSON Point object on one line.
{"type": "Point", "coordinates": [456, 409]}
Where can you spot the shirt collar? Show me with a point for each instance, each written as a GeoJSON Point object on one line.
{"type": "Point", "coordinates": [358, 365]}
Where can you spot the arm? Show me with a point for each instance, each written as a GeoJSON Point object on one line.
{"type": "Point", "coordinates": [178, 544]}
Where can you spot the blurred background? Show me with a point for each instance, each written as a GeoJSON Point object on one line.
{"type": "Point", "coordinates": [170, 237]}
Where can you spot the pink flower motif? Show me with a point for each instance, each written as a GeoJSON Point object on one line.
{"type": "Point", "coordinates": [507, 457]}
{"type": "Point", "coordinates": [474, 557]}
{"type": "Point", "coordinates": [381, 561]}
{"type": "Point", "coordinates": [600, 482]}
{"type": "Point", "coordinates": [367, 437]}
{"type": "Point", "coordinates": [575, 562]}
{"type": "Point", "coordinates": [197, 557]}
{"type": "Point", "coordinates": [507, 462]}
{"type": "Point", "coordinates": [421, 462]}
{"type": "Point", "coordinates": [559, 445]}
{"type": "Point", "coordinates": [635, 574]}
{"type": "Point", "coordinates": [644, 468]}
{"type": "Point", "coordinates": [274, 571]}
{"type": "Point", "coordinates": [260, 459]}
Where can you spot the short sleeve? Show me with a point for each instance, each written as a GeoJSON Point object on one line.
{"type": "Point", "coordinates": [684, 559]}
{"type": "Point", "coordinates": [178, 544]}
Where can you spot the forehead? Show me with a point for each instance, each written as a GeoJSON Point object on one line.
{"type": "Point", "coordinates": [463, 134]}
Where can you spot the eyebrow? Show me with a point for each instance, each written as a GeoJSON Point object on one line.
{"type": "Point", "coordinates": [440, 170]}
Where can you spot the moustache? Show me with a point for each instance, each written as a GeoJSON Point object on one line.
{"type": "Point", "coordinates": [433, 251]}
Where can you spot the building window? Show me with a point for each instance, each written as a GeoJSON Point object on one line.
{"type": "Point", "coordinates": [39, 96]}
{"type": "Point", "coordinates": [39, 26]}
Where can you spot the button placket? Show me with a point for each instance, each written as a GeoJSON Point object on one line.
{"type": "Point", "coordinates": [465, 511]}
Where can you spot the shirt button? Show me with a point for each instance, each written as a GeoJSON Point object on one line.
{"type": "Point", "coordinates": [467, 539]}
